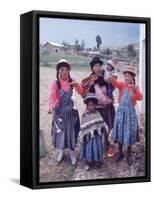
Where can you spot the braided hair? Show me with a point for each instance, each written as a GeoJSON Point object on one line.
{"type": "Point", "coordinates": [58, 81]}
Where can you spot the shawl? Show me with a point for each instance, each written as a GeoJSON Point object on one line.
{"type": "Point", "coordinates": [88, 83]}
{"type": "Point", "coordinates": [90, 123]}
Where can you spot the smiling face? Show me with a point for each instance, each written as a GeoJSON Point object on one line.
{"type": "Point", "coordinates": [64, 73]}
{"type": "Point", "coordinates": [129, 78]}
{"type": "Point", "coordinates": [97, 68]}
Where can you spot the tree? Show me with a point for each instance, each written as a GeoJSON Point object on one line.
{"type": "Point", "coordinates": [77, 45]}
{"type": "Point", "coordinates": [108, 51]}
{"type": "Point", "coordinates": [98, 41]}
{"type": "Point", "coordinates": [76, 42]}
{"type": "Point", "coordinates": [82, 46]}
{"type": "Point", "coordinates": [131, 52]}
{"type": "Point", "coordinates": [65, 43]}
{"type": "Point", "coordinates": [95, 49]}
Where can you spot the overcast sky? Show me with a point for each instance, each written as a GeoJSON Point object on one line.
{"type": "Point", "coordinates": [112, 33]}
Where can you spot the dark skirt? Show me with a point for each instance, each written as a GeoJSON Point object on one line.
{"type": "Point", "coordinates": [108, 114]}
{"type": "Point", "coordinates": [65, 136]}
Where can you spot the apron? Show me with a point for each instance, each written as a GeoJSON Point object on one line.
{"type": "Point", "coordinates": [125, 123]}
{"type": "Point", "coordinates": [65, 123]}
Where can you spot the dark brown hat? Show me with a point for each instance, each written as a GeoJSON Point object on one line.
{"type": "Point", "coordinates": [96, 60]}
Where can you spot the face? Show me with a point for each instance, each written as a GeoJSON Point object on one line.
{"type": "Point", "coordinates": [129, 78]}
{"type": "Point", "coordinates": [97, 68]}
{"type": "Point", "coordinates": [91, 106]}
{"type": "Point", "coordinates": [64, 73]}
{"type": "Point", "coordinates": [109, 68]}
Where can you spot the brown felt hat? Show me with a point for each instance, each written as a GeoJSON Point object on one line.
{"type": "Point", "coordinates": [130, 69]}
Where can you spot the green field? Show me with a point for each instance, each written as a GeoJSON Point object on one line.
{"type": "Point", "coordinates": [75, 60]}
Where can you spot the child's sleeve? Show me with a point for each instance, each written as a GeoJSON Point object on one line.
{"type": "Point", "coordinates": [138, 94]}
{"type": "Point", "coordinates": [53, 97]}
{"type": "Point", "coordinates": [116, 83]}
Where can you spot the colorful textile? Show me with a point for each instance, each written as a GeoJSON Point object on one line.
{"type": "Point", "coordinates": [91, 136]}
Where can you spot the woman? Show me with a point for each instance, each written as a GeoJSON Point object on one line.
{"type": "Point", "coordinates": [96, 84]}
{"type": "Point", "coordinates": [65, 123]}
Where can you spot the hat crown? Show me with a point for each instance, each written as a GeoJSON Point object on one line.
{"type": "Point", "coordinates": [112, 62]}
{"type": "Point", "coordinates": [62, 61]}
{"type": "Point", "coordinates": [95, 60]}
{"type": "Point", "coordinates": [130, 69]}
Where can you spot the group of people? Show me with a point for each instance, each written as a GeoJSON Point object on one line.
{"type": "Point", "coordinates": [100, 120]}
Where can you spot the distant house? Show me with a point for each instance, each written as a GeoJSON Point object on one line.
{"type": "Point", "coordinates": [53, 48]}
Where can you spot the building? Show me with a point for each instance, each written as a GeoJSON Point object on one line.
{"type": "Point", "coordinates": [53, 48]}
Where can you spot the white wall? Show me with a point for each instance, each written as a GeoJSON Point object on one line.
{"type": "Point", "coordinates": [142, 67]}
{"type": "Point", "coordinates": [9, 101]}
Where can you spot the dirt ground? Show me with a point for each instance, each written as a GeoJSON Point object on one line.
{"type": "Point", "coordinates": [50, 170]}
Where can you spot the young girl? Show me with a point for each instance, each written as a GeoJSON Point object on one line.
{"type": "Point", "coordinates": [93, 130]}
{"type": "Point", "coordinates": [65, 123]}
{"type": "Point", "coordinates": [125, 123]}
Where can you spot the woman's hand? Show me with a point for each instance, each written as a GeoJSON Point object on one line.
{"type": "Point", "coordinates": [73, 84]}
{"type": "Point", "coordinates": [110, 101]}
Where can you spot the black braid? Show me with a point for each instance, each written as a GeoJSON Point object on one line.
{"type": "Point", "coordinates": [134, 80]}
{"type": "Point", "coordinates": [58, 81]}
{"type": "Point", "coordinates": [70, 80]}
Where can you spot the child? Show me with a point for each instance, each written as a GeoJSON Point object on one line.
{"type": "Point", "coordinates": [125, 123]}
{"type": "Point", "coordinates": [65, 122]}
{"type": "Point", "coordinates": [91, 136]}
{"type": "Point", "coordinates": [110, 72]}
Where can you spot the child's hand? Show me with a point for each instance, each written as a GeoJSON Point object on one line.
{"type": "Point", "coordinates": [133, 87]}
{"type": "Point", "coordinates": [110, 78]}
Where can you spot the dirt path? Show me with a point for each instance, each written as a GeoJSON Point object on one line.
{"type": "Point", "coordinates": [50, 170]}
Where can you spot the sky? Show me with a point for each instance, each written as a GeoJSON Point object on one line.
{"type": "Point", "coordinates": [112, 33]}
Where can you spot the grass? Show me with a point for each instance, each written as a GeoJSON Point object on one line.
{"type": "Point", "coordinates": [75, 60]}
